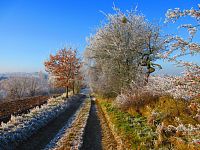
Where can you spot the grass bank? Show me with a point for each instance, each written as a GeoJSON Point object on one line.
{"type": "Point", "coordinates": [130, 132]}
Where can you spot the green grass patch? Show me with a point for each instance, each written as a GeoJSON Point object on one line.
{"type": "Point", "coordinates": [134, 130]}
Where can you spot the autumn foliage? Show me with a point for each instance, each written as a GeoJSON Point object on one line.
{"type": "Point", "coordinates": [64, 67]}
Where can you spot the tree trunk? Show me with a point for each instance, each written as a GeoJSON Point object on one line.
{"type": "Point", "coordinates": [67, 90]}
{"type": "Point", "coordinates": [147, 78]}
{"type": "Point", "coordinates": [148, 68]}
{"type": "Point", "coordinates": [73, 89]}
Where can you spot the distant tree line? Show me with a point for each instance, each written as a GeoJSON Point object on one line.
{"type": "Point", "coordinates": [18, 87]}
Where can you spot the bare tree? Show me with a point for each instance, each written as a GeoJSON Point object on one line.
{"type": "Point", "coordinates": [15, 87]}
{"type": "Point", "coordinates": [33, 86]}
{"type": "Point", "coordinates": [2, 91]}
{"type": "Point", "coordinates": [18, 87]}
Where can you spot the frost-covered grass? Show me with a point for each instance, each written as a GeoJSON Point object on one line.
{"type": "Point", "coordinates": [71, 135]}
{"type": "Point", "coordinates": [164, 124]}
{"type": "Point", "coordinates": [130, 132]}
{"type": "Point", "coordinates": [19, 128]}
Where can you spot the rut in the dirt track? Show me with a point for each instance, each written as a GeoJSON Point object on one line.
{"type": "Point", "coordinates": [93, 135]}
{"type": "Point", "coordinates": [98, 135]}
{"type": "Point", "coordinates": [46, 134]}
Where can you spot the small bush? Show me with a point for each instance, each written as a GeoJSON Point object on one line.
{"type": "Point", "coordinates": [137, 99]}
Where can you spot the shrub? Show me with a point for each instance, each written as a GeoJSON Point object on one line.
{"type": "Point", "coordinates": [136, 99]}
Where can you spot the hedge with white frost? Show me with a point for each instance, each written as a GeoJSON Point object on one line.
{"type": "Point", "coordinates": [21, 127]}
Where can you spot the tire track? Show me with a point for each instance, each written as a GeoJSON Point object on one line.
{"type": "Point", "coordinates": [97, 133]}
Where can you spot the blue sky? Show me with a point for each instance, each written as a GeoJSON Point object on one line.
{"type": "Point", "coordinates": [32, 29]}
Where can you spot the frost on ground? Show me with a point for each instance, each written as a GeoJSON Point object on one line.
{"type": "Point", "coordinates": [97, 134]}
{"type": "Point", "coordinates": [21, 127]}
{"type": "Point", "coordinates": [71, 135]}
{"type": "Point", "coordinates": [60, 134]}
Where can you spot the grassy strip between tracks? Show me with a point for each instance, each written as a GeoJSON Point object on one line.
{"type": "Point", "coordinates": [72, 139]}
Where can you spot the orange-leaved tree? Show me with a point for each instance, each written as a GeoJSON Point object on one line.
{"type": "Point", "coordinates": [65, 68]}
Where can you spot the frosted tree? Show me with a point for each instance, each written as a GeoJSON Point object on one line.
{"type": "Point", "coordinates": [16, 87]}
{"type": "Point", "coordinates": [127, 44]}
{"type": "Point", "coordinates": [33, 86]}
{"type": "Point", "coordinates": [180, 47]}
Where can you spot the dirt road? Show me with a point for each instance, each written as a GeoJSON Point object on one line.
{"type": "Point", "coordinates": [97, 134]}
{"type": "Point", "coordinates": [45, 135]}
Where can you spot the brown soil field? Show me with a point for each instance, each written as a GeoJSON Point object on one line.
{"type": "Point", "coordinates": [20, 106]}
